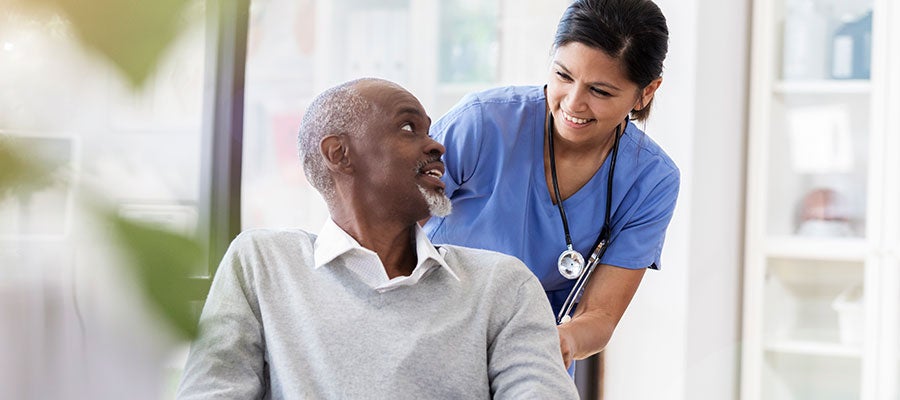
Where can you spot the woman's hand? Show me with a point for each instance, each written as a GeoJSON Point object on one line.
{"type": "Point", "coordinates": [566, 345]}
{"type": "Point", "coordinates": [605, 299]}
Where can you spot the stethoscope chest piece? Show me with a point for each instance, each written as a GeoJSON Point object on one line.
{"type": "Point", "coordinates": [570, 264]}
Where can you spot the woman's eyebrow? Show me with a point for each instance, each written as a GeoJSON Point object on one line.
{"type": "Point", "coordinates": [599, 83]}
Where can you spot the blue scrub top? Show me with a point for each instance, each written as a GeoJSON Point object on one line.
{"type": "Point", "coordinates": [496, 181]}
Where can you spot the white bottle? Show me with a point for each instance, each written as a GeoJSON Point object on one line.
{"type": "Point", "coordinates": [842, 51]}
{"type": "Point", "coordinates": [805, 41]}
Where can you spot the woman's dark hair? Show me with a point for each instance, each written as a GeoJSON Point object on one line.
{"type": "Point", "coordinates": [631, 31]}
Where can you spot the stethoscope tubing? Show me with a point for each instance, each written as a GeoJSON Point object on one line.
{"type": "Point", "coordinates": [602, 241]}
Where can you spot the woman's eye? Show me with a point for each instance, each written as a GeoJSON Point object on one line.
{"type": "Point", "coordinates": [601, 92]}
{"type": "Point", "coordinates": [563, 76]}
{"type": "Point", "coordinates": [407, 127]}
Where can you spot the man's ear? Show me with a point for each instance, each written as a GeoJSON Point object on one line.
{"type": "Point", "coordinates": [336, 153]}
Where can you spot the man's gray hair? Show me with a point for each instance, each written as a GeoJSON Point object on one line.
{"type": "Point", "coordinates": [337, 111]}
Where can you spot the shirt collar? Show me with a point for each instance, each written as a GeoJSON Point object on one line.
{"type": "Point", "coordinates": [332, 242]}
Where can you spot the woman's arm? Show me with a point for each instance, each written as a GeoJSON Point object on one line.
{"type": "Point", "coordinates": [611, 288]}
{"type": "Point", "coordinates": [602, 305]}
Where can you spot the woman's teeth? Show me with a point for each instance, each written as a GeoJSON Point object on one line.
{"type": "Point", "coordinates": [574, 119]}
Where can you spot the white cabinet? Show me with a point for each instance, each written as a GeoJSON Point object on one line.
{"type": "Point", "coordinates": [821, 299]}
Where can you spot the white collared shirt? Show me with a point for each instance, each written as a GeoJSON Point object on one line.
{"type": "Point", "coordinates": [333, 243]}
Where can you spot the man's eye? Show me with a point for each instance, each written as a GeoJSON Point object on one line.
{"type": "Point", "coordinates": [407, 127]}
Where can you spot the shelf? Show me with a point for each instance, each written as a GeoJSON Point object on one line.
{"type": "Point", "coordinates": [814, 348]}
{"type": "Point", "coordinates": [816, 248]}
{"type": "Point", "coordinates": [825, 86]}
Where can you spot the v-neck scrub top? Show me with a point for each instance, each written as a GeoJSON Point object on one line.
{"type": "Point", "coordinates": [496, 180]}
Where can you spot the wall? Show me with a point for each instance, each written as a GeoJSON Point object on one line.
{"type": "Point", "coordinates": [680, 337]}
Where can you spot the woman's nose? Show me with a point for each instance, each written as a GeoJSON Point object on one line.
{"type": "Point", "coordinates": [575, 99]}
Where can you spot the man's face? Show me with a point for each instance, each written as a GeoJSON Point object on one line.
{"type": "Point", "coordinates": [396, 162]}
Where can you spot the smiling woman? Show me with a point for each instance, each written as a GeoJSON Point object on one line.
{"type": "Point", "coordinates": [617, 186]}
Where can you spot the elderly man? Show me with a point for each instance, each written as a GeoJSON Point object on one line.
{"type": "Point", "coordinates": [369, 308]}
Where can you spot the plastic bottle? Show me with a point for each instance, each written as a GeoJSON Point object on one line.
{"type": "Point", "coordinates": [851, 49]}
{"type": "Point", "coordinates": [805, 41]}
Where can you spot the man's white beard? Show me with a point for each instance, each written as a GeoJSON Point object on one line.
{"type": "Point", "coordinates": [438, 204]}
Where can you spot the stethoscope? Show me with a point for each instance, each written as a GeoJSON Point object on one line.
{"type": "Point", "coordinates": [571, 263]}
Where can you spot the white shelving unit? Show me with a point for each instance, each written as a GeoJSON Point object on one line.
{"type": "Point", "coordinates": [821, 302]}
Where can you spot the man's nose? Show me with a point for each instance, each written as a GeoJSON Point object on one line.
{"type": "Point", "coordinates": [435, 147]}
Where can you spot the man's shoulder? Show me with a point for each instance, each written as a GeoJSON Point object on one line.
{"type": "Point", "coordinates": [466, 253]}
{"type": "Point", "coordinates": [272, 239]}
{"type": "Point", "coordinates": [482, 263]}
{"type": "Point", "coordinates": [260, 255]}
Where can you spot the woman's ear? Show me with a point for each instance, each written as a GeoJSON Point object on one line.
{"type": "Point", "coordinates": [647, 94]}
{"type": "Point", "coordinates": [336, 154]}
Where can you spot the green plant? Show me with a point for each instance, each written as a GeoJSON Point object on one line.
{"type": "Point", "coordinates": [131, 35]}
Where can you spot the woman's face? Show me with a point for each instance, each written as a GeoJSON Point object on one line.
{"type": "Point", "coordinates": [589, 93]}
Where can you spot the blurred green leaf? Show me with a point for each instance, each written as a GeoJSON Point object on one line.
{"type": "Point", "coordinates": [19, 171]}
{"type": "Point", "coordinates": [162, 261]}
{"type": "Point", "coordinates": [133, 34]}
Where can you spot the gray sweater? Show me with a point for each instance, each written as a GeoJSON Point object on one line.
{"type": "Point", "coordinates": [274, 327]}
